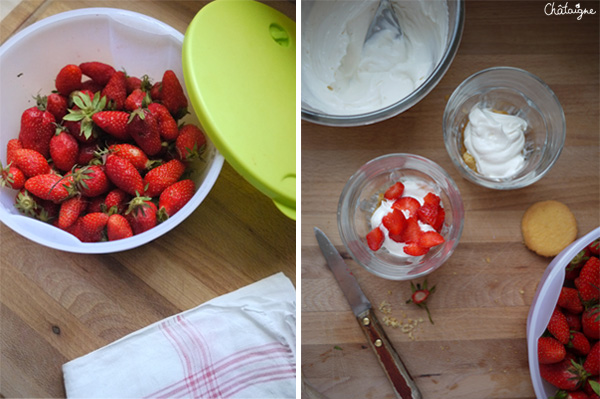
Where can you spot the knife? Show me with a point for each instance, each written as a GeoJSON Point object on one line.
{"type": "Point", "coordinates": [402, 382]}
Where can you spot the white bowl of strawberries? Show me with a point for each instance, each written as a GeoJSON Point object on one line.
{"type": "Point", "coordinates": [563, 324]}
{"type": "Point", "coordinates": [100, 150]}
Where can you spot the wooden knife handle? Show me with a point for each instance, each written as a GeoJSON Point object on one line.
{"type": "Point", "coordinates": [404, 386]}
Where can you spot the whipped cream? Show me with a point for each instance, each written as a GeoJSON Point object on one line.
{"type": "Point", "coordinates": [412, 188]}
{"type": "Point", "coordinates": [496, 141]}
{"type": "Point", "coordinates": [340, 77]}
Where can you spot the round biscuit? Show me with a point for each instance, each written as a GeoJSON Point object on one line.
{"type": "Point", "coordinates": [548, 227]}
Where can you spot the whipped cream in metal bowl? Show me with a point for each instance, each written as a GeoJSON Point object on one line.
{"type": "Point", "coordinates": [340, 76]}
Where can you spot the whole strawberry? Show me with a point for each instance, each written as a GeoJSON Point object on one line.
{"type": "Point", "coordinates": [568, 299]}
{"type": "Point", "coordinates": [92, 226]}
{"type": "Point", "coordinates": [11, 146]}
{"type": "Point", "coordinates": [578, 343]}
{"type": "Point", "coordinates": [566, 374]}
{"type": "Point", "coordinates": [51, 187]}
{"type": "Point", "coordinates": [172, 95]}
{"type": "Point", "coordinates": [30, 162]}
{"type": "Point", "coordinates": [64, 150]}
{"type": "Point", "coordinates": [99, 72]}
{"type": "Point", "coordinates": [37, 128]}
{"type": "Point", "coordinates": [167, 126]}
{"type": "Point", "coordinates": [115, 91]}
{"type": "Point", "coordinates": [174, 197]}
{"type": "Point", "coordinates": [124, 175]}
{"type": "Point", "coordinates": [113, 123]}
{"type": "Point", "coordinates": [588, 282]}
{"type": "Point", "coordinates": [12, 177]}
{"type": "Point", "coordinates": [590, 322]}
{"type": "Point", "coordinates": [141, 214]}
{"type": "Point", "coordinates": [143, 128]}
{"type": "Point", "coordinates": [68, 79]}
{"type": "Point", "coordinates": [91, 181]}
{"type": "Point", "coordinates": [133, 154]}
{"type": "Point", "coordinates": [550, 350]}
{"type": "Point", "coordinates": [190, 142]}
{"type": "Point", "coordinates": [161, 177]}
{"type": "Point", "coordinates": [562, 394]}
{"type": "Point", "coordinates": [118, 228]}
{"type": "Point", "coordinates": [116, 201]}
{"type": "Point", "coordinates": [54, 103]}
{"type": "Point", "coordinates": [70, 210]}
{"type": "Point", "coordinates": [558, 326]}
{"type": "Point", "coordinates": [136, 99]}
{"type": "Point", "coordinates": [592, 361]}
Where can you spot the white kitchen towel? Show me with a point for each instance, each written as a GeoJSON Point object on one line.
{"type": "Point", "coordinates": [239, 345]}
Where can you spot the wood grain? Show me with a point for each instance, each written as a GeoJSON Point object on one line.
{"type": "Point", "coordinates": [56, 306]}
{"type": "Point", "coordinates": [477, 346]}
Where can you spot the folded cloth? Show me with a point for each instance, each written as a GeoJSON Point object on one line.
{"type": "Point", "coordinates": [239, 345]}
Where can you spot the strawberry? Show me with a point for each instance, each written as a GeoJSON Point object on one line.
{"type": "Point", "coordinates": [408, 205]}
{"type": "Point", "coordinates": [91, 180]}
{"type": "Point", "coordinates": [115, 91]}
{"type": "Point", "coordinates": [68, 79]}
{"type": "Point", "coordinates": [190, 142]}
{"type": "Point", "coordinates": [412, 231]}
{"type": "Point", "coordinates": [30, 162]}
{"type": "Point", "coordinates": [174, 197]}
{"type": "Point", "coordinates": [117, 228]}
{"type": "Point", "coordinates": [568, 299]}
{"type": "Point", "coordinates": [578, 343]}
{"type": "Point", "coordinates": [143, 128]}
{"type": "Point", "coordinates": [51, 187]}
{"type": "Point", "coordinates": [86, 106]}
{"type": "Point", "coordinates": [566, 374]}
{"type": "Point", "coordinates": [394, 222]}
{"type": "Point", "coordinates": [172, 95]}
{"type": "Point", "coordinates": [430, 239]}
{"type": "Point", "coordinates": [54, 103]}
{"type": "Point", "coordinates": [70, 210]}
{"type": "Point", "coordinates": [87, 153]}
{"type": "Point", "coordinates": [375, 239]}
{"type": "Point", "coordinates": [558, 327]}
{"type": "Point", "coordinates": [136, 99]}
{"type": "Point", "coordinates": [64, 150]}
{"type": "Point", "coordinates": [167, 125]}
{"type": "Point", "coordinates": [394, 192]}
{"type": "Point", "coordinates": [99, 72]}
{"type": "Point", "coordinates": [441, 217]}
{"type": "Point", "coordinates": [141, 214]}
{"type": "Point", "coordinates": [37, 128]}
{"type": "Point", "coordinates": [12, 177]}
{"type": "Point", "coordinates": [161, 177]}
{"type": "Point", "coordinates": [574, 267]}
{"type": "Point", "coordinates": [427, 213]}
{"type": "Point", "coordinates": [92, 226]}
{"type": "Point", "coordinates": [550, 350]}
{"type": "Point", "coordinates": [113, 123]}
{"type": "Point", "coordinates": [91, 86]}
{"type": "Point", "coordinates": [11, 146]}
{"type": "Point", "coordinates": [420, 295]}
{"type": "Point", "coordinates": [594, 247]}
{"type": "Point", "coordinates": [30, 205]}
{"type": "Point", "coordinates": [431, 199]}
{"type": "Point", "coordinates": [133, 83]}
{"type": "Point", "coordinates": [592, 361]}
{"type": "Point", "coordinates": [592, 387]}
{"type": "Point", "coordinates": [590, 322]}
{"type": "Point", "coordinates": [124, 175]}
{"type": "Point", "coordinates": [562, 394]}
{"type": "Point", "coordinates": [588, 282]}
{"type": "Point", "coordinates": [573, 320]}
{"type": "Point", "coordinates": [414, 249]}
{"type": "Point", "coordinates": [116, 201]}
{"type": "Point", "coordinates": [133, 154]}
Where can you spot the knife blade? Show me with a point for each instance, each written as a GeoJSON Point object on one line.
{"type": "Point", "coordinates": [395, 370]}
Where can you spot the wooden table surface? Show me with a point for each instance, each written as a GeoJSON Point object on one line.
{"type": "Point", "coordinates": [477, 347]}
{"type": "Point", "coordinates": [57, 306]}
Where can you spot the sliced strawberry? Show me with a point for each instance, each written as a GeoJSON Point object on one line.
{"type": "Point", "coordinates": [432, 199]}
{"type": "Point", "coordinates": [439, 221]}
{"type": "Point", "coordinates": [394, 192]}
{"type": "Point", "coordinates": [427, 213]}
{"type": "Point", "coordinates": [430, 239]}
{"type": "Point", "coordinates": [415, 249]}
{"type": "Point", "coordinates": [408, 205]}
{"type": "Point", "coordinates": [394, 221]}
{"type": "Point", "coordinates": [412, 231]}
{"type": "Point", "coordinates": [375, 239]}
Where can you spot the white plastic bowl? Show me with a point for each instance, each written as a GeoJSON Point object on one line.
{"type": "Point", "coordinates": [544, 302]}
{"type": "Point", "coordinates": [29, 62]}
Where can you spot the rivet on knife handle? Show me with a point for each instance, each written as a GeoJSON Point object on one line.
{"type": "Point", "coordinates": [403, 384]}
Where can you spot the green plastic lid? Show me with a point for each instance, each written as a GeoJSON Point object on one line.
{"type": "Point", "coordinates": [239, 66]}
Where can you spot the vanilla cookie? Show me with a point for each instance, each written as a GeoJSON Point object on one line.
{"type": "Point", "coordinates": [548, 227]}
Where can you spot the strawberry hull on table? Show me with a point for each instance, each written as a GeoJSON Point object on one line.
{"type": "Point", "coordinates": [569, 349]}
{"type": "Point", "coordinates": [104, 156]}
